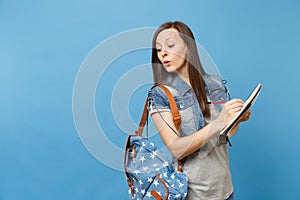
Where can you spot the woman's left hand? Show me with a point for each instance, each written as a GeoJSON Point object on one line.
{"type": "Point", "coordinates": [246, 116]}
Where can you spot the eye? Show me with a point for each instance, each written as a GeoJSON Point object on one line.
{"type": "Point", "coordinates": [158, 49]}
{"type": "Point", "coordinates": [171, 45]}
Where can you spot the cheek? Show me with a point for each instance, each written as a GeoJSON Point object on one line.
{"type": "Point", "coordinates": [180, 56]}
{"type": "Point", "coordinates": [180, 52]}
{"type": "Point", "coordinates": [179, 59]}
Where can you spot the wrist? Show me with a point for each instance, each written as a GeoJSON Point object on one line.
{"type": "Point", "coordinates": [217, 125]}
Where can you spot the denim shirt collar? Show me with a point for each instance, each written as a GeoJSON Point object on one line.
{"type": "Point", "coordinates": [180, 85]}
{"type": "Point", "coordinates": [211, 83]}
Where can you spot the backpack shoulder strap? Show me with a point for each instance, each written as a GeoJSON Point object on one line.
{"type": "Point", "coordinates": [173, 106]}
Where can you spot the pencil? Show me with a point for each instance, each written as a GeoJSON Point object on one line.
{"type": "Point", "coordinates": [216, 102]}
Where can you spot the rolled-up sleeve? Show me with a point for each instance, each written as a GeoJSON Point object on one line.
{"type": "Point", "coordinates": [158, 101]}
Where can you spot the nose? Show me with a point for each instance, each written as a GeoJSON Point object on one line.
{"type": "Point", "coordinates": [164, 52]}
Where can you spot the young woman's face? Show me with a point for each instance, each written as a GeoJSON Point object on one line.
{"type": "Point", "coordinates": [171, 50]}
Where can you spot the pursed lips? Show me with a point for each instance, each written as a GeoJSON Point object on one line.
{"type": "Point", "coordinates": [167, 63]}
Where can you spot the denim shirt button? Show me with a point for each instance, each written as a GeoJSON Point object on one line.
{"type": "Point", "coordinates": [181, 106]}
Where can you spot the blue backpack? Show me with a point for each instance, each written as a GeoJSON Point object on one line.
{"type": "Point", "coordinates": [149, 173]}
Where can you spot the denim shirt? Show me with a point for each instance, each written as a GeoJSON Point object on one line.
{"type": "Point", "coordinates": [208, 168]}
{"type": "Point", "coordinates": [187, 103]}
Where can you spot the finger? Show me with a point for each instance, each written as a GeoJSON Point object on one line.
{"type": "Point", "coordinates": [246, 117]}
{"type": "Point", "coordinates": [236, 107]}
{"type": "Point", "coordinates": [248, 113]}
{"type": "Point", "coordinates": [236, 101]}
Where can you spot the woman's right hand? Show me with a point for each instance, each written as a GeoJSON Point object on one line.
{"type": "Point", "coordinates": [229, 111]}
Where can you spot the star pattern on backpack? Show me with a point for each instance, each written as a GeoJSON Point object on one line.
{"type": "Point", "coordinates": [151, 171]}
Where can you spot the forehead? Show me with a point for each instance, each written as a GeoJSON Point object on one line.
{"type": "Point", "coordinates": [168, 34]}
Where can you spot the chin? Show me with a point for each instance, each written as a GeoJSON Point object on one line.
{"type": "Point", "coordinates": [170, 69]}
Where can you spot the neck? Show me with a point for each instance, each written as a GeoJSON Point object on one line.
{"type": "Point", "coordinates": [184, 74]}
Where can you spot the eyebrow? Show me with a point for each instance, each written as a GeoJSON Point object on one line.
{"type": "Point", "coordinates": [164, 41]}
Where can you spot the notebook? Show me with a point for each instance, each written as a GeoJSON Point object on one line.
{"type": "Point", "coordinates": [249, 102]}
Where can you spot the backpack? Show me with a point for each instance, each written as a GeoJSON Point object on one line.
{"type": "Point", "coordinates": [149, 173]}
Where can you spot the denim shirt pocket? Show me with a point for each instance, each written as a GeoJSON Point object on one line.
{"type": "Point", "coordinates": [185, 107]}
{"type": "Point", "coordinates": [217, 93]}
{"type": "Point", "coordinates": [216, 90]}
{"type": "Point", "coordinates": [157, 101]}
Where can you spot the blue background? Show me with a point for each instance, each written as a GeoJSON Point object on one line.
{"type": "Point", "coordinates": [43, 43]}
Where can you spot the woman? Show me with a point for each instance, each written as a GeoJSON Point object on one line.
{"type": "Point", "coordinates": [176, 64]}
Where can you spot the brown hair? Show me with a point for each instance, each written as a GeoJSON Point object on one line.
{"type": "Point", "coordinates": [195, 70]}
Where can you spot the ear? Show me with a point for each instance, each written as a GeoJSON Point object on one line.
{"type": "Point", "coordinates": [186, 53]}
